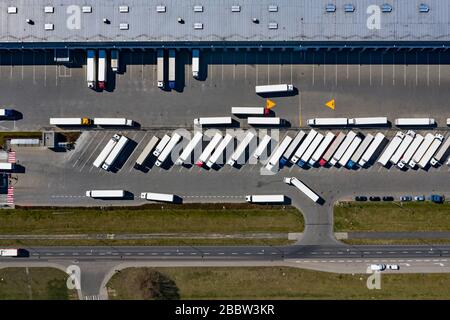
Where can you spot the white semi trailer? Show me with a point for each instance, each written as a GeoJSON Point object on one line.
{"type": "Point", "coordinates": [267, 198]}
{"type": "Point", "coordinates": [423, 163]}
{"type": "Point", "coordinates": [369, 121]}
{"type": "Point", "coordinates": [113, 122]}
{"type": "Point", "coordinates": [276, 155]}
{"type": "Point", "coordinates": [310, 150]}
{"type": "Point", "coordinates": [303, 188]}
{"type": "Point", "coordinates": [168, 149]}
{"type": "Point", "coordinates": [350, 151]}
{"type": "Point", "coordinates": [160, 197]}
{"type": "Point", "coordinates": [327, 122]}
{"type": "Point", "coordinates": [102, 69]}
{"type": "Point", "coordinates": [391, 148]}
{"type": "Point", "coordinates": [274, 88]}
{"type": "Point", "coordinates": [414, 122]}
{"type": "Point", "coordinates": [262, 146]}
{"type": "Point", "coordinates": [91, 69]}
{"type": "Point", "coordinates": [219, 150]}
{"type": "Point", "coordinates": [373, 147]}
{"type": "Point", "coordinates": [211, 121]}
{"type": "Point", "coordinates": [209, 149]}
{"type": "Point", "coordinates": [195, 63]}
{"type": "Point", "coordinates": [189, 148]}
{"type": "Point", "coordinates": [147, 150]}
{"type": "Point", "coordinates": [305, 144]}
{"type": "Point", "coordinates": [241, 148]}
{"type": "Point", "coordinates": [407, 140]}
{"type": "Point", "coordinates": [321, 148]}
{"type": "Point", "coordinates": [418, 139]}
{"type": "Point", "coordinates": [160, 67]}
{"type": "Point", "coordinates": [112, 157]}
{"type": "Point", "coordinates": [360, 151]}
{"type": "Point", "coordinates": [161, 145]}
{"type": "Point", "coordinates": [105, 193]}
{"type": "Point", "coordinates": [427, 141]}
{"type": "Point", "coordinates": [441, 154]}
{"type": "Point", "coordinates": [106, 151]}
{"type": "Point", "coordinates": [342, 148]}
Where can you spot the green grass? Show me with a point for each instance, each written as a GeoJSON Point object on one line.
{"type": "Point", "coordinates": [38, 284]}
{"type": "Point", "coordinates": [8, 135]}
{"type": "Point", "coordinates": [412, 216]}
{"type": "Point", "coordinates": [282, 283]}
{"type": "Point", "coordinates": [223, 218]}
{"type": "Point", "coordinates": [396, 241]}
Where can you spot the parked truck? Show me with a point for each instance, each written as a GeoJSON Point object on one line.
{"type": "Point", "coordinates": [427, 141]}
{"type": "Point", "coordinates": [407, 140]}
{"type": "Point", "coordinates": [292, 147]}
{"type": "Point", "coordinates": [262, 146]}
{"type": "Point", "coordinates": [343, 161]}
{"type": "Point", "coordinates": [160, 197]}
{"type": "Point", "coordinates": [189, 148]}
{"type": "Point", "coordinates": [9, 252]}
{"type": "Point", "coordinates": [425, 160]}
{"type": "Point", "coordinates": [70, 121]}
{"type": "Point", "coordinates": [146, 152]}
{"type": "Point", "coordinates": [218, 152]}
{"type": "Point", "coordinates": [105, 193]}
{"type": "Point", "coordinates": [342, 148]}
{"type": "Point", "coordinates": [213, 121]}
{"type": "Point", "coordinates": [332, 149]}
{"type": "Point", "coordinates": [265, 121]}
{"type": "Point", "coordinates": [112, 157]}
{"type": "Point", "coordinates": [391, 148]}
{"type": "Point", "coordinates": [418, 139]}
{"type": "Point", "coordinates": [321, 148]}
{"type": "Point", "coordinates": [161, 145]}
{"type": "Point", "coordinates": [249, 110]}
{"type": "Point", "coordinates": [209, 149]}
{"type": "Point", "coordinates": [276, 155]}
{"type": "Point", "coordinates": [414, 122]}
{"type": "Point", "coordinates": [267, 198]}
{"type": "Point", "coordinates": [172, 56]}
{"type": "Point", "coordinates": [310, 150]}
{"type": "Point", "coordinates": [303, 146]}
{"type": "Point", "coordinates": [106, 151]}
{"type": "Point", "coordinates": [373, 147]}
{"type": "Point", "coordinates": [360, 151]}
{"type": "Point", "coordinates": [168, 149]}
{"type": "Point", "coordinates": [160, 67]}
{"type": "Point", "coordinates": [91, 69]}
{"type": "Point", "coordinates": [115, 60]}
{"type": "Point", "coordinates": [113, 122]}
{"type": "Point", "coordinates": [274, 88]}
{"type": "Point", "coordinates": [195, 63]}
{"type": "Point", "coordinates": [303, 188]}
{"type": "Point", "coordinates": [102, 69]}
{"type": "Point", "coordinates": [442, 154]}
{"type": "Point", "coordinates": [327, 122]}
{"type": "Point", "coordinates": [241, 148]}
{"type": "Point", "coordinates": [369, 121]}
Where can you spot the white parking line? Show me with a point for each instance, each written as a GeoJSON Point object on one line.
{"type": "Point", "coordinates": [85, 150]}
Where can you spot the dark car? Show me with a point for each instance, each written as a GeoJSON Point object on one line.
{"type": "Point", "coordinates": [388, 198]}
{"type": "Point", "coordinates": [360, 198]}
{"type": "Point", "coordinates": [374, 198]}
{"type": "Point", "coordinates": [406, 198]}
{"type": "Point", "coordinates": [436, 198]}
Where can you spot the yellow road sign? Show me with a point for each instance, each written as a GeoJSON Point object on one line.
{"type": "Point", "coordinates": [330, 104]}
{"type": "Point", "coordinates": [270, 104]}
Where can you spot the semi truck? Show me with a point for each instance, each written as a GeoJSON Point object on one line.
{"type": "Point", "coordinates": [168, 149]}
{"type": "Point", "coordinates": [249, 110]}
{"type": "Point", "coordinates": [303, 188]}
{"type": "Point", "coordinates": [115, 60]}
{"type": "Point", "coordinates": [161, 145]}
{"type": "Point", "coordinates": [360, 151]}
{"type": "Point", "coordinates": [105, 193]}
{"type": "Point", "coordinates": [412, 122]}
{"type": "Point", "coordinates": [102, 69]}
{"type": "Point", "coordinates": [418, 139]}
{"type": "Point", "coordinates": [391, 148]}
{"type": "Point", "coordinates": [327, 122]}
{"type": "Point", "coordinates": [112, 157]}
{"type": "Point", "coordinates": [276, 155]}
{"type": "Point", "coordinates": [305, 144]}
{"type": "Point", "coordinates": [211, 121]}
{"type": "Point", "coordinates": [332, 149]}
{"type": "Point", "coordinates": [91, 69]}
{"type": "Point", "coordinates": [369, 121]}
{"type": "Point", "coordinates": [70, 121]}
{"type": "Point", "coordinates": [160, 67]}
{"type": "Point", "coordinates": [267, 198]}
{"type": "Point", "coordinates": [292, 147]}
{"type": "Point", "coordinates": [350, 151]}
{"type": "Point", "coordinates": [9, 252]}
{"type": "Point", "coordinates": [195, 63]}
{"type": "Point", "coordinates": [265, 121]}
{"type": "Point", "coordinates": [219, 150]}
{"type": "Point", "coordinates": [106, 151]}
{"type": "Point", "coordinates": [423, 163]}
{"type": "Point", "coordinates": [172, 56]}
{"type": "Point", "coordinates": [342, 148]}
{"type": "Point", "coordinates": [427, 141]}
{"type": "Point", "coordinates": [241, 148]}
{"type": "Point", "coordinates": [441, 154]}
{"type": "Point", "coordinates": [162, 197]}
{"type": "Point", "coordinates": [407, 140]}
{"type": "Point", "coordinates": [146, 152]}
{"type": "Point", "coordinates": [113, 122]}
{"type": "Point", "coordinates": [310, 150]}
{"type": "Point", "coordinates": [209, 149]}
{"type": "Point", "coordinates": [274, 88]}
{"type": "Point", "coordinates": [262, 146]}
{"type": "Point", "coordinates": [373, 147]}
{"type": "Point", "coordinates": [189, 148]}
{"type": "Point", "coordinates": [321, 148]}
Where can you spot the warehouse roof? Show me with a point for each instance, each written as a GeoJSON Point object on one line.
{"type": "Point", "coordinates": [222, 20]}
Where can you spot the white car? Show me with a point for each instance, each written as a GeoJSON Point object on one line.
{"type": "Point", "coordinates": [393, 267]}
{"type": "Point", "coordinates": [377, 267]}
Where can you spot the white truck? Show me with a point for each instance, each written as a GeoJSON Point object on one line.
{"type": "Point", "coordinates": [241, 148]}
{"type": "Point", "coordinates": [161, 145]}
{"type": "Point", "coordinates": [327, 122]}
{"type": "Point", "coordinates": [407, 140]}
{"type": "Point", "coordinates": [112, 157]}
{"type": "Point", "coordinates": [168, 149]}
{"type": "Point", "coordinates": [211, 121]}
{"type": "Point", "coordinates": [418, 139]}
{"type": "Point", "coordinates": [276, 155]}
{"type": "Point", "coordinates": [303, 188]}
{"type": "Point", "coordinates": [274, 88]}
{"type": "Point", "coordinates": [369, 121]}
{"type": "Point", "coordinates": [115, 60]}
{"type": "Point", "coordinates": [219, 150]}
{"type": "Point", "coordinates": [350, 151]}
{"type": "Point", "coordinates": [209, 149]}
{"type": "Point", "coordinates": [172, 56]}
{"type": "Point", "coordinates": [249, 110]}
{"type": "Point", "coordinates": [413, 122]}
{"type": "Point", "coordinates": [9, 252]}
{"type": "Point", "coordinates": [423, 163]}
{"type": "Point", "coordinates": [305, 144]}
{"type": "Point", "coordinates": [427, 141]}
{"type": "Point", "coordinates": [105, 193]}
{"type": "Point", "coordinates": [160, 67]}
{"type": "Point", "coordinates": [106, 151]}
{"type": "Point", "coordinates": [373, 147]}
{"type": "Point", "coordinates": [162, 197]}
{"type": "Point", "coordinates": [102, 69]}
{"type": "Point", "coordinates": [391, 148]}
{"type": "Point", "coordinates": [321, 148]}
{"type": "Point", "coordinates": [342, 148]}
{"type": "Point", "coordinates": [292, 147]}
{"type": "Point", "coordinates": [310, 150]}
{"type": "Point", "coordinates": [332, 149]}
{"type": "Point", "coordinates": [113, 122]}
{"type": "Point", "coordinates": [360, 151]}
{"type": "Point", "coordinates": [195, 63]}
{"type": "Point", "coordinates": [6, 166]}
{"type": "Point", "coordinates": [91, 69]}
{"type": "Point", "coordinates": [265, 121]}
{"type": "Point", "coordinates": [5, 113]}
{"type": "Point", "coordinates": [70, 121]}
{"type": "Point", "coordinates": [196, 139]}
{"type": "Point", "coordinates": [267, 198]}
{"type": "Point", "coordinates": [147, 150]}
{"type": "Point", "coordinates": [441, 154]}
{"type": "Point", "coordinates": [262, 146]}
